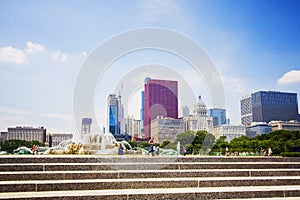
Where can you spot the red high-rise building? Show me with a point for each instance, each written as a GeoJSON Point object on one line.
{"type": "Point", "coordinates": [161, 99]}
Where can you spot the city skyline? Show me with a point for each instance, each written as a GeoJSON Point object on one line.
{"type": "Point", "coordinates": [254, 45]}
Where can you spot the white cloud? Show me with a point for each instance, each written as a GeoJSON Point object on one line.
{"type": "Point", "coordinates": [84, 53]}
{"type": "Point", "coordinates": [290, 77]}
{"type": "Point", "coordinates": [18, 56]}
{"type": "Point", "coordinates": [13, 55]}
{"type": "Point", "coordinates": [59, 56]}
{"type": "Point", "coordinates": [33, 47]}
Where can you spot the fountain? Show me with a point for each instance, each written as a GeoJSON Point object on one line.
{"type": "Point", "coordinates": [95, 143]}
{"type": "Point", "coordinates": [178, 148]}
{"type": "Point", "coordinates": [101, 143]}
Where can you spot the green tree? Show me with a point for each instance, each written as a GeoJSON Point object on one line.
{"type": "Point", "coordinates": [165, 143]}
{"type": "Point", "coordinates": [11, 145]}
{"type": "Point", "coordinates": [185, 138]}
{"type": "Point", "coordinates": [132, 144]}
{"type": "Point", "coordinates": [194, 142]}
{"type": "Point", "coordinates": [143, 144]}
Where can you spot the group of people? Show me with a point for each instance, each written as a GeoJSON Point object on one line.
{"type": "Point", "coordinates": [263, 151]}
{"type": "Point", "coordinates": [152, 148]}
{"type": "Point", "coordinates": [269, 153]}
{"type": "Point", "coordinates": [35, 149]}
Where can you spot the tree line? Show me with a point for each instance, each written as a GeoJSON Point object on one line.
{"type": "Point", "coordinates": [10, 145]}
{"type": "Point", "coordinates": [281, 142]}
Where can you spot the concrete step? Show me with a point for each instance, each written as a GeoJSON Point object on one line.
{"type": "Point", "coordinates": [104, 184]}
{"type": "Point", "coordinates": [120, 174]}
{"type": "Point", "coordinates": [143, 177]}
{"type": "Point", "coordinates": [271, 198]}
{"type": "Point", "coordinates": [145, 166]}
{"type": "Point", "coordinates": [135, 159]}
{"type": "Point", "coordinates": [256, 192]}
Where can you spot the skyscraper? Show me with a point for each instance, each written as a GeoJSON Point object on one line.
{"type": "Point", "coordinates": [246, 110]}
{"type": "Point", "coordinates": [142, 111]}
{"type": "Point", "coordinates": [114, 110]}
{"type": "Point", "coordinates": [185, 111]}
{"type": "Point", "coordinates": [86, 125]}
{"type": "Point", "coordinates": [218, 115]}
{"type": "Point", "coordinates": [265, 106]}
{"type": "Point", "coordinates": [161, 99]}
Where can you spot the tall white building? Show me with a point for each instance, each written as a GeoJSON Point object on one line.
{"type": "Point", "coordinates": [199, 120]}
{"type": "Point", "coordinates": [27, 133]}
{"type": "Point", "coordinates": [229, 131]}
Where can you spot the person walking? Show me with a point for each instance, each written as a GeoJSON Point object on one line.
{"type": "Point", "coordinates": [227, 151]}
{"type": "Point", "coordinates": [33, 149]}
{"type": "Point", "coordinates": [151, 149]}
{"type": "Point", "coordinates": [270, 151]}
{"type": "Point", "coordinates": [184, 150]}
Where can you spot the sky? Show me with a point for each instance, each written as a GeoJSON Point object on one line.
{"type": "Point", "coordinates": [254, 46]}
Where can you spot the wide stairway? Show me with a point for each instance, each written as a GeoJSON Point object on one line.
{"type": "Point", "coordinates": [143, 177]}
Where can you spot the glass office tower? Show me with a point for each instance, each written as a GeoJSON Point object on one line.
{"type": "Point", "coordinates": [113, 114]}
{"type": "Point", "coordinates": [265, 106]}
{"type": "Point", "coordinates": [218, 115]}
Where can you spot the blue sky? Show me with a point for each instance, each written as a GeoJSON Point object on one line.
{"type": "Point", "coordinates": [43, 44]}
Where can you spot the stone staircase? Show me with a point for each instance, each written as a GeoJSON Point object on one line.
{"type": "Point", "coordinates": [143, 177]}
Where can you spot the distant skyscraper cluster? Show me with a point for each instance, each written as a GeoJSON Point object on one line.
{"type": "Point", "coordinates": [159, 114]}
{"type": "Point", "coordinates": [261, 113]}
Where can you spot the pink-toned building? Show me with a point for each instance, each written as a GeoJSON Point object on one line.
{"type": "Point", "coordinates": [161, 99]}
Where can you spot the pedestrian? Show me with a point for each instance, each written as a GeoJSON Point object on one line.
{"type": "Point", "coordinates": [151, 149]}
{"type": "Point", "coordinates": [227, 151]}
{"type": "Point", "coordinates": [37, 149]}
{"type": "Point", "coordinates": [264, 152]}
{"type": "Point", "coordinates": [33, 149]}
{"type": "Point", "coordinates": [184, 150]}
{"type": "Point", "coordinates": [157, 150]}
{"type": "Point", "coordinates": [120, 149]}
{"type": "Point", "coordinates": [270, 151]}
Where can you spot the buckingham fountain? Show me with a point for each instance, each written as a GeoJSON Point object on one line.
{"type": "Point", "coordinates": [101, 144]}
{"type": "Point", "coordinates": [94, 143]}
